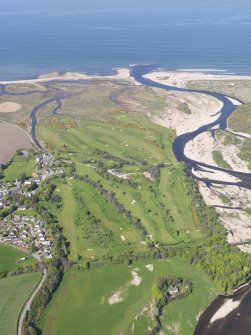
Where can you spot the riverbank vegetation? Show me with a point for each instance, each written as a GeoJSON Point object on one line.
{"type": "Point", "coordinates": [240, 120]}
{"type": "Point", "coordinates": [220, 161]}
{"type": "Point", "coordinates": [239, 89]}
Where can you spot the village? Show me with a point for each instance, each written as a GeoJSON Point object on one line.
{"type": "Point", "coordinates": [22, 228]}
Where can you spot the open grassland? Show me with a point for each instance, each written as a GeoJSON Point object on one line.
{"type": "Point", "coordinates": [105, 301]}
{"type": "Point", "coordinates": [240, 120]}
{"type": "Point", "coordinates": [14, 291]}
{"type": "Point", "coordinates": [9, 257]}
{"type": "Point", "coordinates": [21, 117]}
{"type": "Point", "coordinates": [220, 161]}
{"type": "Point", "coordinates": [17, 168]}
{"type": "Point", "coordinates": [123, 136]}
{"type": "Point", "coordinates": [239, 89]}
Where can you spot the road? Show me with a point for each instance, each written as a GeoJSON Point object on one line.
{"type": "Point", "coordinates": [27, 305]}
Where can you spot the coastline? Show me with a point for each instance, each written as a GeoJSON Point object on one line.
{"type": "Point", "coordinates": [121, 74]}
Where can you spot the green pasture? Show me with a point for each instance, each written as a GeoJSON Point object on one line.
{"type": "Point", "coordinates": [17, 168]}
{"type": "Point", "coordinates": [14, 291]}
{"type": "Point", "coordinates": [10, 256]}
{"type": "Point", "coordinates": [85, 300]}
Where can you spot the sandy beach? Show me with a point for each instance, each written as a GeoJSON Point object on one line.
{"type": "Point", "coordinates": [122, 74]}
{"type": "Point", "coordinates": [203, 109]}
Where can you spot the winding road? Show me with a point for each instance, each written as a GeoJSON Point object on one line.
{"type": "Point", "coordinates": [27, 305]}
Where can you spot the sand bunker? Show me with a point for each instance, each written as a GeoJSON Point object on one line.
{"type": "Point", "coordinates": [149, 267]}
{"type": "Point", "coordinates": [116, 298]}
{"type": "Point", "coordinates": [136, 281]}
{"type": "Point", "coordinates": [9, 107]}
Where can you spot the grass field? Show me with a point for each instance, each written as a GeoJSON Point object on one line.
{"type": "Point", "coordinates": [220, 161]}
{"type": "Point", "coordinates": [9, 257]}
{"type": "Point", "coordinates": [239, 89]}
{"type": "Point", "coordinates": [14, 291]}
{"type": "Point", "coordinates": [240, 120]}
{"type": "Point", "coordinates": [123, 137]}
{"type": "Point", "coordinates": [82, 301]}
{"type": "Point", "coordinates": [17, 168]}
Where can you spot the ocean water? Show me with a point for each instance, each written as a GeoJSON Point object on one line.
{"type": "Point", "coordinates": [100, 35]}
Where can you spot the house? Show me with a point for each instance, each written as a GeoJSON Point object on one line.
{"type": "Point", "coordinates": [173, 290]}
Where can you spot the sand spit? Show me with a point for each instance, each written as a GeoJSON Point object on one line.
{"type": "Point", "coordinates": [181, 78]}
{"type": "Point", "coordinates": [9, 107]}
{"type": "Point", "coordinates": [122, 74]}
{"type": "Point", "coordinates": [203, 110]}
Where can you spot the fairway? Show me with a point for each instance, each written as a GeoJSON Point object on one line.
{"type": "Point", "coordinates": [14, 291]}
{"type": "Point", "coordinates": [86, 301]}
{"type": "Point", "coordinates": [79, 198]}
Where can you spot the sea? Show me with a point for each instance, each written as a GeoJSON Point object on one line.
{"type": "Point", "coordinates": [98, 36]}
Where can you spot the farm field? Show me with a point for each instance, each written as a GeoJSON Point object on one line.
{"type": "Point", "coordinates": [12, 138]}
{"type": "Point", "coordinates": [9, 257]}
{"type": "Point", "coordinates": [14, 291]}
{"type": "Point", "coordinates": [105, 300]}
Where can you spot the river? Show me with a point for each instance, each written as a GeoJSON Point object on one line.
{"type": "Point", "coordinates": [237, 321]}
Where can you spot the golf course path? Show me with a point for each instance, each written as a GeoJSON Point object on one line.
{"type": "Point", "coordinates": [27, 305]}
